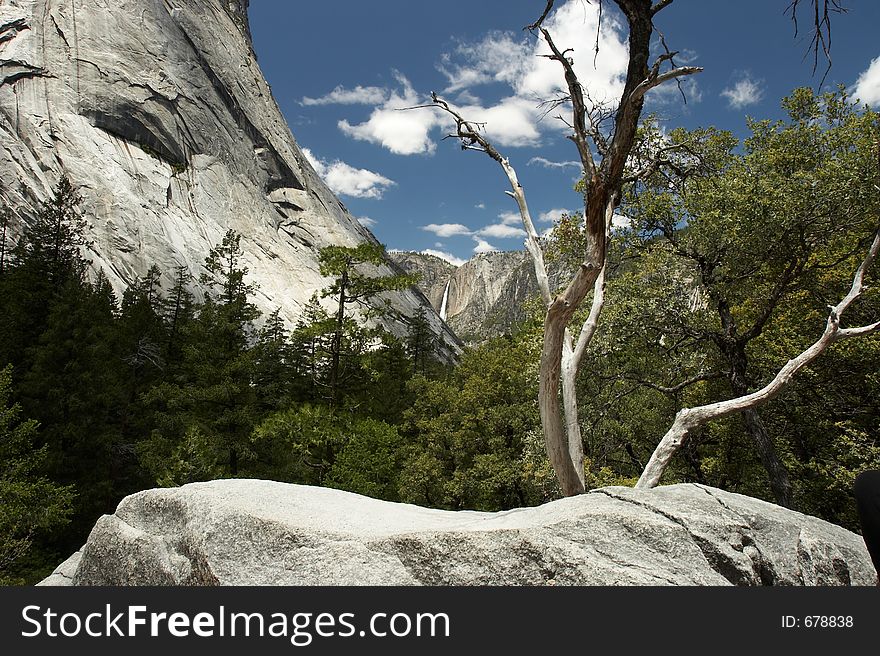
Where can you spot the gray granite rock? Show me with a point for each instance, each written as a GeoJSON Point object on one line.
{"type": "Point", "coordinates": [159, 114]}
{"type": "Point", "coordinates": [246, 532]}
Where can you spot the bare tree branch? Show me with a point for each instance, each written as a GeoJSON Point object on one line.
{"type": "Point", "coordinates": [534, 26]}
{"type": "Point", "coordinates": [689, 419]}
{"type": "Point", "coordinates": [675, 389]}
{"type": "Point", "coordinates": [659, 6]}
{"type": "Point", "coordinates": [821, 32]}
{"type": "Point", "coordinates": [579, 109]}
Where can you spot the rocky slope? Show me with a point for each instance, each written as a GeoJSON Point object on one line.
{"type": "Point", "coordinates": [484, 296]}
{"type": "Point", "coordinates": [159, 114]}
{"type": "Point", "coordinates": [240, 532]}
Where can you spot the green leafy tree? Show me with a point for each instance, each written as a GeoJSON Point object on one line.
{"type": "Point", "coordinates": [298, 445]}
{"type": "Point", "coordinates": [314, 445]}
{"type": "Point", "coordinates": [467, 433]}
{"type": "Point", "coordinates": [369, 461]}
{"type": "Point", "coordinates": [746, 232]}
{"type": "Point", "coordinates": [31, 505]}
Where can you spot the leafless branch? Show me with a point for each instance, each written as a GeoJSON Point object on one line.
{"type": "Point", "coordinates": [534, 26]}
{"type": "Point", "coordinates": [690, 419]}
{"type": "Point", "coordinates": [659, 6]}
{"type": "Point", "coordinates": [820, 38]}
{"type": "Point", "coordinates": [579, 109]}
{"type": "Point", "coordinates": [675, 389]}
{"type": "Point", "coordinates": [655, 79]}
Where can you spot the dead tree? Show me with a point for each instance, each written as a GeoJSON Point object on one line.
{"type": "Point", "coordinates": [604, 176]}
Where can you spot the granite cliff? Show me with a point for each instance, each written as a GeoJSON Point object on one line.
{"type": "Point", "coordinates": [485, 296]}
{"type": "Point", "coordinates": [158, 113]}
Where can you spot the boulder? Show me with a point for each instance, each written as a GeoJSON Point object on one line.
{"type": "Point", "coordinates": [250, 532]}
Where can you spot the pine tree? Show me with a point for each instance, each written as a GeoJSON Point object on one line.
{"type": "Point", "coordinates": [5, 215]}
{"type": "Point", "coordinates": [420, 342]}
{"type": "Point", "coordinates": [309, 346]}
{"type": "Point", "coordinates": [351, 286]}
{"type": "Point", "coordinates": [177, 310]}
{"type": "Point", "coordinates": [31, 506]}
{"type": "Point", "coordinates": [207, 410]}
{"type": "Point", "coordinates": [272, 365]}
{"type": "Point", "coordinates": [46, 258]}
{"type": "Point", "coordinates": [75, 386]}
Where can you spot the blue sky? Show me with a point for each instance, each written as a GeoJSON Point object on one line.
{"type": "Point", "coordinates": [339, 70]}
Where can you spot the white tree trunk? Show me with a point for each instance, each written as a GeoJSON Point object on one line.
{"type": "Point", "coordinates": [560, 357]}
{"type": "Point", "coordinates": [689, 419]}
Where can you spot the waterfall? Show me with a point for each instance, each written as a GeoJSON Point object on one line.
{"type": "Point", "coordinates": [445, 299]}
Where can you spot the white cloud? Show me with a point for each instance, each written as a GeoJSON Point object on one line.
{"type": "Point", "coordinates": [517, 61]}
{"type": "Point", "coordinates": [575, 24]}
{"type": "Point", "coordinates": [346, 180]}
{"type": "Point", "coordinates": [316, 163]}
{"type": "Point", "coordinates": [498, 57]}
{"type": "Point", "coordinates": [443, 255]}
{"type": "Point", "coordinates": [506, 229]}
{"type": "Point", "coordinates": [553, 215]}
{"type": "Point", "coordinates": [619, 221]}
{"type": "Point", "coordinates": [342, 96]}
{"type": "Point", "coordinates": [467, 98]}
{"type": "Point", "coordinates": [510, 218]}
{"type": "Point", "coordinates": [511, 122]}
{"type": "Point", "coordinates": [480, 206]}
{"type": "Point", "coordinates": [867, 88]}
{"type": "Point", "coordinates": [509, 59]}
{"type": "Point", "coordinates": [402, 131]}
{"type": "Point", "coordinates": [547, 164]}
{"type": "Point", "coordinates": [501, 231]}
{"type": "Point", "coordinates": [366, 221]}
{"type": "Point", "coordinates": [744, 93]}
{"type": "Point", "coordinates": [483, 246]}
{"type": "Point", "coordinates": [447, 229]}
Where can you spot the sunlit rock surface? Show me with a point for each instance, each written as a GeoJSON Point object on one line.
{"type": "Point", "coordinates": [249, 532]}
{"type": "Point", "coordinates": [159, 114]}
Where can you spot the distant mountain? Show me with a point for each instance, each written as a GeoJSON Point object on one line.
{"type": "Point", "coordinates": [484, 297]}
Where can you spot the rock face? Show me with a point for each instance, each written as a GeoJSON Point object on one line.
{"type": "Point", "coordinates": [240, 532]}
{"type": "Point", "coordinates": [158, 113]}
{"type": "Point", "coordinates": [434, 274]}
{"type": "Point", "coordinates": [484, 296]}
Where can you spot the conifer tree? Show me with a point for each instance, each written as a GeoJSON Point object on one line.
{"type": "Point", "coordinates": [351, 286]}
{"type": "Point", "coordinates": [177, 310]}
{"type": "Point", "coordinates": [272, 365]}
{"type": "Point", "coordinates": [208, 410]}
{"type": "Point", "coordinates": [48, 255]}
{"type": "Point", "coordinates": [31, 506]}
